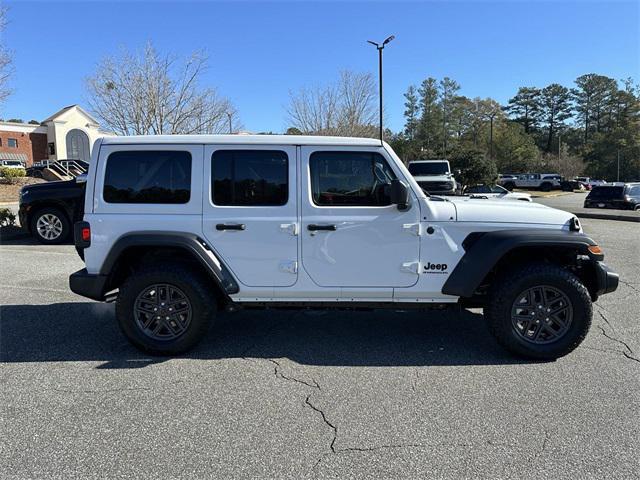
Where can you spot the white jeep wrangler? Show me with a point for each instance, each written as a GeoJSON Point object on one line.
{"type": "Point", "coordinates": [179, 227]}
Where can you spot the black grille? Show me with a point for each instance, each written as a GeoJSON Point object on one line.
{"type": "Point", "coordinates": [436, 186]}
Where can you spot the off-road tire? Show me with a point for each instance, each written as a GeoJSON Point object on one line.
{"type": "Point", "coordinates": [510, 186]}
{"type": "Point", "coordinates": [51, 212]}
{"type": "Point", "coordinates": [508, 286]}
{"type": "Point", "coordinates": [196, 288]}
{"type": "Point", "coordinates": [546, 187]}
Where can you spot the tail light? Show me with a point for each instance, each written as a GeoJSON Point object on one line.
{"type": "Point", "coordinates": [82, 235]}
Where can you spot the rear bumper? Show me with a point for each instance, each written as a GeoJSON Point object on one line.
{"type": "Point", "coordinates": [88, 285]}
{"type": "Point", "coordinates": [607, 279]}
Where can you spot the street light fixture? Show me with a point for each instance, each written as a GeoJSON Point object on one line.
{"type": "Point", "coordinates": [380, 47]}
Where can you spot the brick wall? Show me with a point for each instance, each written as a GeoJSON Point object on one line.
{"type": "Point", "coordinates": [34, 145]}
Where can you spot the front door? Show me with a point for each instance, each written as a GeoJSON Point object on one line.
{"type": "Point", "coordinates": [250, 212]}
{"type": "Point", "coordinates": [352, 236]}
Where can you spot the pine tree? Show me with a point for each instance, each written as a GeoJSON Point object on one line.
{"type": "Point", "coordinates": [555, 108]}
{"type": "Point", "coordinates": [523, 108]}
{"type": "Point", "coordinates": [411, 112]}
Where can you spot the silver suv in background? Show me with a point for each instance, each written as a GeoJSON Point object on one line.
{"type": "Point", "coordinates": [433, 176]}
{"type": "Point", "coordinates": [539, 181]}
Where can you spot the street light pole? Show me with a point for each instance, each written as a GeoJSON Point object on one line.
{"type": "Point", "coordinates": [380, 47]}
{"type": "Point", "coordinates": [230, 127]}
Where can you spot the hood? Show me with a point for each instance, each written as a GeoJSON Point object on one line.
{"type": "Point", "coordinates": [492, 211]}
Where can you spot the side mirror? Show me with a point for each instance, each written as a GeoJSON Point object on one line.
{"type": "Point", "coordinates": [399, 194]}
{"type": "Point", "coordinates": [82, 178]}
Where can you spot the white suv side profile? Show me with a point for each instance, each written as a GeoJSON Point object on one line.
{"type": "Point", "coordinates": [177, 228]}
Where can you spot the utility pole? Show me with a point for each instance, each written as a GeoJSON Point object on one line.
{"type": "Point", "coordinates": [618, 176]}
{"type": "Point", "coordinates": [380, 47]}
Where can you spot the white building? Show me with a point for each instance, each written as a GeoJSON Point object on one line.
{"type": "Point", "coordinates": [67, 134]}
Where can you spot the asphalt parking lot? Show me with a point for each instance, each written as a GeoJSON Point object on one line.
{"type": "Point", "coordinates": [310, 394]}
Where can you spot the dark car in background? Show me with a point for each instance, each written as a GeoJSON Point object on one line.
{"type": "Point", "coordinates": [619, 196]}
{"type": "Point", "coordinates": [49, 210]}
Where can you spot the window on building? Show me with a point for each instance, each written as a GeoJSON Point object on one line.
{"type": "Point", "coordinates": [148, 177]}
{"type": "Point", "coordinates": [350, 179]}
{"type": "Point", "coordinates": [12, 143]}
{"type": "Point", "coordinates": [249, 177]}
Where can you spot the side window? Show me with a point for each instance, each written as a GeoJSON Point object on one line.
{"type": "Point", "coordinates": [148, 177]}
{"type": "Point", "coordinates": [350, 179]}
{"type": "Point", "coordinates": [250, 177]}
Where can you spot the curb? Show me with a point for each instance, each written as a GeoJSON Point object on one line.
{"type": "Point", "coordinates": [604, 216]}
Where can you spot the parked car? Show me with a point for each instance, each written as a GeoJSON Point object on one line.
{"type": "Point", "coordinates": [434, 176]}
{"type": "Point", "coordinates": [618, 196]}
{"type": "Point", "coordinates": [14, 164]}
{"type": "Point", "coordinates": [496, 191]}
{"type": "Point", "coordinates": [589, 183]}
{"type": "Point", "coordinates": [49, 210]}
{"type": "Point", "coordinates": [180, 226]}
{"type": "Point", "coordinates": [571, 185]}
{"type": "Point", "coordinates": [542, 181]}
{"type": "Point", "coordinates": [505, 177]}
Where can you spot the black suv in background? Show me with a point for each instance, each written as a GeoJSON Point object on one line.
{"type": "Point", "coordinates": [621, 197]}
{"type": "Point", "coordinates": [49, 210]}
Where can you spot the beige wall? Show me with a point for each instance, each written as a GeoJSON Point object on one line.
{"type": "Point", "coordinates": [58, 128]}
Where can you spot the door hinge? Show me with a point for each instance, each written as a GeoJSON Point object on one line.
{"type": "Point", "coordinates": [413, 228]}
{"type": "Point", "coordinates": [411, 267]}
{"type": "Point", "coordinates": [290, 228]}
{"type": "Point", "coordinates": [288, 266]}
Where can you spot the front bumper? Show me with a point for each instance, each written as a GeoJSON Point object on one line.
{"type": "Point", "coordinates": [88, 285]}
{"type": "Point", "coordinates": [607, 280]}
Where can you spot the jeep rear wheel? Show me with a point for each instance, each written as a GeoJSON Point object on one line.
{"type": "Point", "coordinates": [539, 311]}
{"type": "Point", "coordinates": [546, 187]}
{"type": "Point", "coordinates": [165, 310]}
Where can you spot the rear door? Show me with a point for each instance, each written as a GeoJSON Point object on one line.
{"type": "Point", "coordinates": [250, 211]}
{"type": "Point", "coordinates": [352, 236]}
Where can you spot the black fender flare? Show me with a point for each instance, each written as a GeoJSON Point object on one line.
{"type": "Point", "coordinates": [190, 242]}
{"type": "Point", "coordinates": [483, 250]}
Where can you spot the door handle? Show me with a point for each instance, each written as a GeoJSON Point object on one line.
{"type": "Point", "coordinates": [234, 226]}
{"type": "Point", "coordinates": [315, 228]}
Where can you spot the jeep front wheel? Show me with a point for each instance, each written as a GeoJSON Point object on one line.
{"type": "Point", "coordinates": [540, 311]}
{"type": "Point", "coordinates": [165, 310]}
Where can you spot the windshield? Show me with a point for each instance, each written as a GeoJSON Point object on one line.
{"type": "Point", "coordinates": [435, 168]}
{"type": "Point", "coordinates": [605, 192]}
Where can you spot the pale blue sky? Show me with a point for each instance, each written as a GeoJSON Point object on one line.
{"type": "Point", "coordinates": [260, 50]}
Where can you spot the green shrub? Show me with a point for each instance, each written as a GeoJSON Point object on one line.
{"type": "Point", "coordinates": [7, 218]}
{"type": "Point", "coordinates": [10, 174]}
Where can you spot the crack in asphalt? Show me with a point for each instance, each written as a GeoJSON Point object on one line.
{"type": "Point", "coordinates": [628, 353]}
{"type": "Point", "coordinates": [326, 421]}
{"type": "Point", "coordinates": [630, 285]}
{"type": "Point", "coordinates": [279, 374]}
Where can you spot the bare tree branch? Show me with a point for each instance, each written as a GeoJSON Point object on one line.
{"type": "Point", "coordinates": [151, 94]}
{"type": "Point", "coordinates": [6, 64]}
{"type": "Point", "coordinates": [346, 108]}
